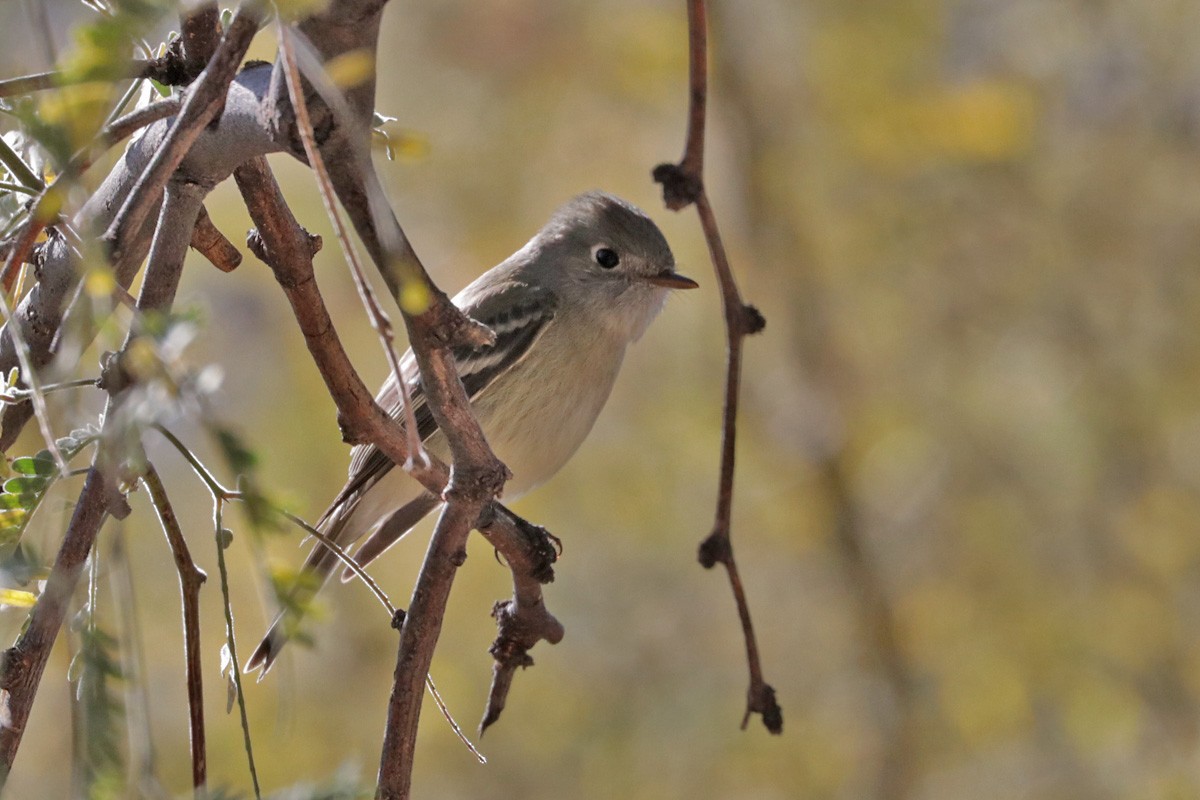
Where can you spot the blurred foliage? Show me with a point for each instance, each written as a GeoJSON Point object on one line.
{"type": "Point", "coordinates": [968, 484]}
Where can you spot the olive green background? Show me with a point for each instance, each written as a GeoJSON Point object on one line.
{"type": "Point", "coordinates": [974, 230]}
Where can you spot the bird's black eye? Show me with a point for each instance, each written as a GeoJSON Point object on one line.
{"type": "Point", "coordinates": [607, 257]}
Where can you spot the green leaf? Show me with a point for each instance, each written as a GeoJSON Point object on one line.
{"type": "Point", "coordinates": [27, 485]}
{"type": "Point", "coordinates": [11, 501]}
{"type": "Point", "coordinates": [35, 465]}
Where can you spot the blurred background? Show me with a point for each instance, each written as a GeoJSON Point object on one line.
{"type": "Point", "coordinates": [968, 484]}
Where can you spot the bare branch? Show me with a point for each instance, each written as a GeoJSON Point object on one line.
{"type": "Point", "coordinates": [125, 126]}
{"type": "Point", "coordinates": [375, 313]}
{"type": "Point", "coordinates": [683, 185]}
{"type": "Point", "coordinates": [191, 578]}
{"type": "Point", "coordinates": [213, 244]}
{"type": "Point", "coordinates": [524, 620]}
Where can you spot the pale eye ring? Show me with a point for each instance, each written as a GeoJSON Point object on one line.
{"type": "Point", "coordinates": [606, 257]}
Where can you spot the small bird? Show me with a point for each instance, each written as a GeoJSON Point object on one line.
{"type": "Point", "coordinates": [563, 309]}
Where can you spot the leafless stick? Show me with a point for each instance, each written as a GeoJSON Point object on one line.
{"type": "Point", "coordinates": [418, 636]}
{"type": "Point", "coordinates": [19, 169]}
{"type": "Point", "coordinates": [231, 639]}
{"type": "Point", "coordinates": [39, 81]}
{"type": "Point", "coordinates": [125, 126]}
{"type": "Point", "coordinates": [30, 83]}
{"type": "Point", "coordinates": [524, 620]}
{"type": "Point", "coordinates": [375, 313]}
{"type": "Point", "coordinates": [191, 578]}
{"type": "Point", "coordinates": [213, 245]}
{"type": "Point", "coordinates": [683, 184]}
{"type": "Point", "coordinates": [182, 201]}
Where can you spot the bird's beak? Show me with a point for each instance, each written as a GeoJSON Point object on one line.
{"type": "Point", "coordinates": [669, 279]}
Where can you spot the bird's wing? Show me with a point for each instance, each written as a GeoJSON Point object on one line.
{"type": "Point", "coordinates": [517, 327]}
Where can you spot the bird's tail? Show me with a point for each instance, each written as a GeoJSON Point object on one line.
{"type": "Point", "coordinates": [316, 571]}
{"type": "Point", "coordinates": [340, 526]}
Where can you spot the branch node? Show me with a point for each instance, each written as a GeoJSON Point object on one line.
{"type": "Point", "coordinates": [715, 549]}
{"type": "Point", "coordinates": [761, 700]}
{"type": "Point", "coordinates": [254, 241]}
{"type": "Point", "coordinates": [545, 548]}
{"type": "Point", "coordinates": [681, 188]}
{"type": "Point", "coordinates": [458, 557]}
{"type": "Point", "coordinates": [353, 430]}
{"type": "Point", "coordinates": [315, 242]}
{"type": "Point", "coordinates": [753, 320]}
{"type": "Point", "coordinates": [474, 482]}
{"type": "Point", "coordinates": [214, 245]}
{"type": "Point", "coordinates": [398, 619]}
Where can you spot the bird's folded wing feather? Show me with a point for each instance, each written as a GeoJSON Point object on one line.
{"type": "Point", "coordinates": [516, 325]}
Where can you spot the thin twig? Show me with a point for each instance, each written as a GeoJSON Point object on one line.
{"type": "Point", "coordinates": [39, 81]}
{"type": "Point", "coordinates": [19, 169]}
{"type": "Point", "coordinates": [21, 395]}
{"type": "Point", "coordinates": [18, 188]}
{"type": "Point", "coordinates": [375, 313]}
{"type": "Point", "coordinates": [191, 578]}
{"type": "Point", "coordinates": [221, 539]}
{"type": "Point", "coordinates": [346, 559]}
{"type": "Point", "coordinates": [208, 240]}
{"type": "Point", "coordinates": [125, 126]}
{"type": "Point", "coordinates": [683, 185]}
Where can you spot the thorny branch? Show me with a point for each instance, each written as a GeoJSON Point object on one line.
{"type": "Point", "coordinates": [683, 185]}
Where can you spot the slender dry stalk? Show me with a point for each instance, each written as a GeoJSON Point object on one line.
{"type": "Point", "coordinates": [683, 185]}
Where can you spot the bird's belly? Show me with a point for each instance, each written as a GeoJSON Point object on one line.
{"type": "Point", "coordinates": [535, 427]}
